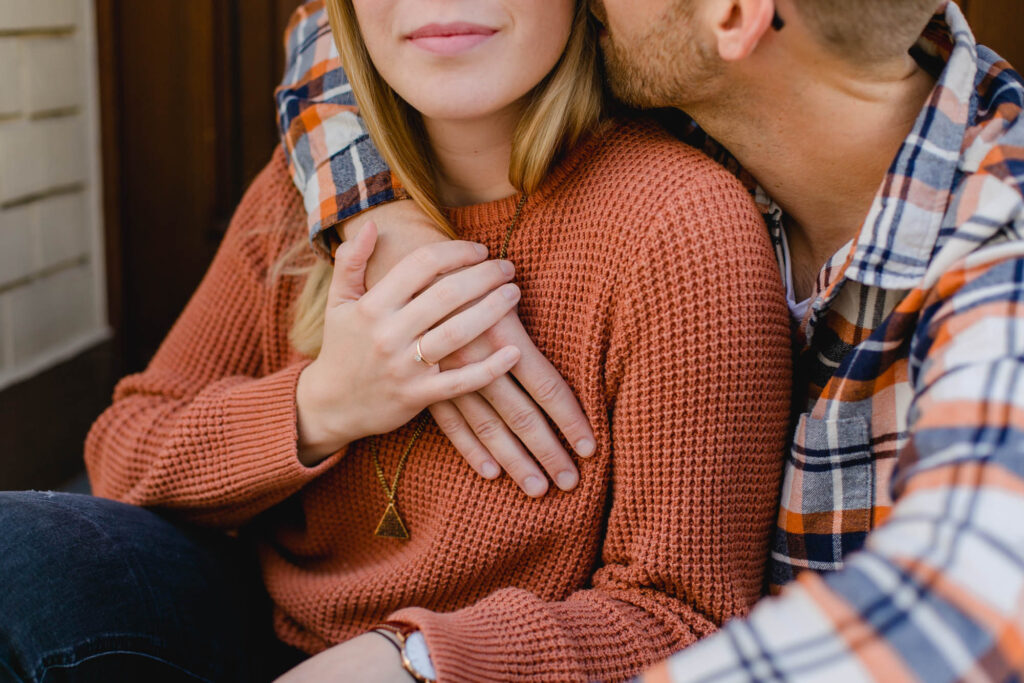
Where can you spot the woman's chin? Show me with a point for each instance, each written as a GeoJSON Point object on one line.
{"type": "Point", "coordinates": [466, 104]}
{"type": "Point", "coordinates": [454, 109]}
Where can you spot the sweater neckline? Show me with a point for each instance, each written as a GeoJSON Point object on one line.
{"type": "Point", "coordinates": [499, 212]}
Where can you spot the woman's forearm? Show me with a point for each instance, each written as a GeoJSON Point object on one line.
{"type": "Point", "coordinates": [217, 457]}
{"type": "Point", "coordinates": [209, 428]}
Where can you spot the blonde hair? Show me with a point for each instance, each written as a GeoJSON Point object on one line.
{"type": "Point", "coordinates": [562, 109]}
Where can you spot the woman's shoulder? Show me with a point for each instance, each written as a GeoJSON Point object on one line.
{"type": "Point", "coordinates": [640, 151]}
{"type": "Point", "coordinates": [270, 217]}
{"type": "Point", "coordinates": [641, 174]}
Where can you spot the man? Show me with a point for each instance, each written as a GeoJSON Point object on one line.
{"type": "Point", "coordinates": [886, 150]}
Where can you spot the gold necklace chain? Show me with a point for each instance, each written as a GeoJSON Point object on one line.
{"type": "Point", "coordinates": [503, 252]}
{"type": "Point", "coordinates": [391, 524]}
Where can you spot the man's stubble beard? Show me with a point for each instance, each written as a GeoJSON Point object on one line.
{"type": "Point", "coordinates": [666, 67]}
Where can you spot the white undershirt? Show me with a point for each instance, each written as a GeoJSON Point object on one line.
{"type": "Point", "coordinates": [798, 309]}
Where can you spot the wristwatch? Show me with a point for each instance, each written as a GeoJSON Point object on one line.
{"type": "Point", "coordinates": [412, 647]}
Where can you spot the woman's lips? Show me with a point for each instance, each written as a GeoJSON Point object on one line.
{"type": "Point", "coordinates": [450, 39]}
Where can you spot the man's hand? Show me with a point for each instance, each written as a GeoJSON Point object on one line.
{"type": "Point", "coordinates": [368, 658]}
{"type": "Point", "coordinates": [502, 425]}
{"type": "Point", "coordinates": [503, 422]}
{"type": "Point", "coordinates": [401, 228]}
{"type": "Point", "coordinates": [370, 338]}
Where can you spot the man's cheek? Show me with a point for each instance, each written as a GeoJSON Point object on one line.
{"type": "Point", "coordinates": [630, 17]}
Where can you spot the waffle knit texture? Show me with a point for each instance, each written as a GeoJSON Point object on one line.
{"type": "Point", "coordinates": [649, 281]}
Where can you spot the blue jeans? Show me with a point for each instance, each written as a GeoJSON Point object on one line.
{"type": "Point", "coordinates": [94, 590]}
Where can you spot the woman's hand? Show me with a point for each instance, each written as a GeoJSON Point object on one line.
{"type": "Point", "coordinates": [368, 658]}
{"type": "Point", "coordinates": [366, 379]}
{"type": "Point", "coordinates": [505, 425]}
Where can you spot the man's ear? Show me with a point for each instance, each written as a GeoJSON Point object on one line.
{"type": "Point", "coordinates": [738, 25]}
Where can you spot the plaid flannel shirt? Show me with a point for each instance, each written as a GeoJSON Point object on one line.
{"type": "Point", "coordinates": [911, 365]}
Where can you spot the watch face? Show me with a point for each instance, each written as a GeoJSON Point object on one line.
{"type": "Point", "coordinates": [419, 656]}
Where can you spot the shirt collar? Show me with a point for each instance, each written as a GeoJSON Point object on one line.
{"type": "Point", "coordinates": [899, 236]}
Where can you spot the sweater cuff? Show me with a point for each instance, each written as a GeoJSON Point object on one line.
{"type": "Point", "coordinates": [475, 645]}
{"type": "Point", "coordinates": [262, 434]}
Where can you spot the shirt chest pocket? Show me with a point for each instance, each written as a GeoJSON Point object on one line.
{"type": "Point", "coordinates": [827, 494]}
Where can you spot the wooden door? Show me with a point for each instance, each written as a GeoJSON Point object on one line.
{"type": "Point", "coordinates": [999, 24]}
{"type": "Point", "coordinates": [189, 119]}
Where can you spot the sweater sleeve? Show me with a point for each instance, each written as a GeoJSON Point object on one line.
{"type": "Point", "coordinates": [698, 371]}
{"type": "Point", "coordinates": [204, 430]}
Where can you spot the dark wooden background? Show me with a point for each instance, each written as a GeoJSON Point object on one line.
{"type": "Point", "coordinates": [187, 116]}
{"type": "Point", "coordinates": [998, 24]}
{"type": "Point", "coordinates": [188, 120]}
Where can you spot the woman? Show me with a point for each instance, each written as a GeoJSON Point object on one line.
{"type": "Point", "coordinates": [362, 512]}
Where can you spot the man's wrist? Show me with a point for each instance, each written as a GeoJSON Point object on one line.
{"type": "Point", "coordinates": [401, 227]}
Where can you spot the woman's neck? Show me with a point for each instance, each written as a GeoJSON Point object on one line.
{"type": "Point", "coordinates": [473, 157]}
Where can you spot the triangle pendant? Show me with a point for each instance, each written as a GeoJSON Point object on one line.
{"type": "Point", "coordinates": [391, 525]}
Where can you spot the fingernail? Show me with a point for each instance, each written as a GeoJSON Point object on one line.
{"type": "Point", "coordinates": [480, 249]}
{"type": "Point", "coordinates": [585, 447]}
{"type": "Point", "coordinates": [489, 470]}
{"type": "Point", "coordinates": [510, 292]}
{"type": "Point", "coordinates": [534, 486]}
{"type": "Point", "coordinates": [567, 480]}
{"type": "Point", "coordinates": [510, 355]}
{"type": "Point", "coordinates": [507, 267]}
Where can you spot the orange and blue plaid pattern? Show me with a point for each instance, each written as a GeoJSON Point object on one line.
{"type": "Point", "coordinates": [904, 487]}
{"type": "Point", "coordinates": [330, 154]}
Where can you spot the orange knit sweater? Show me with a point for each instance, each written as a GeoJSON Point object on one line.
{"type": "Point", "coordinates": [649, 282]}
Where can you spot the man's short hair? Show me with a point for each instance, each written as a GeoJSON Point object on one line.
{"type": "Point", "coordinates": [868, 30]}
